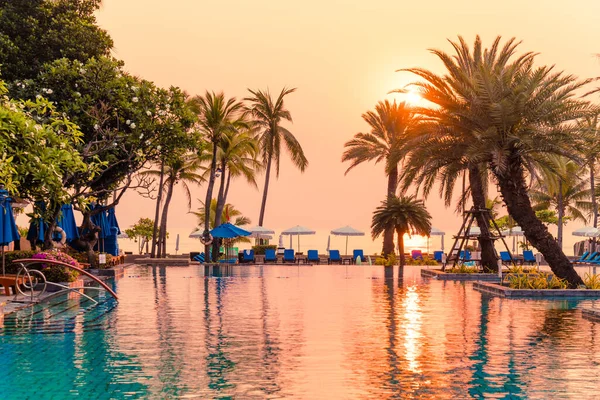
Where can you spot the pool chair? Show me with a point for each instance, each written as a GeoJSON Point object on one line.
{"type": "Point", "coordinates": [437, 255]}
{"type": "Point", "coordinates": [358, 254]}
{"type": "Point", "coordinates": [289, 256]}
{"type": "Point", "coordinates": [528, 257]}
{"type": "Point", "coordinates": [199, 258]}
{"type": "Point", "coordinates": [313, 257]}
{"type": "Point", "coordinates": [586, 257]}
{"type": "Point", "coordinates": [248, 256]}
{"type": "Point", "coordinates": [506, 258]}
{"type": "Point", "coordinates": [593, 260]}
{"type": "Point", "coordinates": [416, 255]}
{"type": "Point", "coordinates": [334, 257]}
{"type": "Point", "coordinates": [270, 255]}
{"type": "Point", "coordinates": [465, 255]}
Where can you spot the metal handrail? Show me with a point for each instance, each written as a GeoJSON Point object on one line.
{"type": "Point", "coordinates": [25, 262]}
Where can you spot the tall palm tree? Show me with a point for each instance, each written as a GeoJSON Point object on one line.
{"type": "Point", "coordinates": [517, 114]}
{"type": "Point", "coordinates": [184, 170]}
{"type": "Point", "coordinates": [268, 116]}
{"type": "Point", "coordinates": [230, 213]}
{"type": "Point", "coordinates": [564, 191]}
{"type": "Point", "coordinates": [391, 125]}
{"type": "Point", "coordinates": [217, 115]}
{"type": "Point", "coordinates": [589, 130]}
{"type": "Point", "coordinates": [403, 214]}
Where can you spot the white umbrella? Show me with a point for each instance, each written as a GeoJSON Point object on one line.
{"type": "Point", "coordinates": [197, 234]}
{"type": "Point", "coordinates": [587, 231]}
{"type": "Point", "coordinates": [280, 241]}
{"type": "Point", "coordinates": [328, 242]}
{"type": "Point", "coordinates": [297, 230]}
{"type": "Point", "coordinates": [122, 235]}
{"type": "Point", "coordinates": [438, 232]}
{"type": "Point", "coordinates": [514, 232]}
{"type": "Point", "coordinates": [177, 244]}
{"type": "Point", "coordinates": [347, 231]}
{"type": "Point", "coordinates": [260, 232]}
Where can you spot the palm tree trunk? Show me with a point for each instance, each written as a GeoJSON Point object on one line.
{"type": "Point", "coordinates": [157, 211]}
{"type": "Point", "coordinates": [227, 187]}
{"type": "Point", "coordinates": [593, 194]}
{"type": "Point", "coordinates": [561, 215]}
{"type": "Point", "coordinates": [219, 210]}
{"type": "Point", "coordinates": [208, 200]}
{"type": "Point", "coordinates": [263, 205]}
{"type": "Point", "coordinates": [401, 247]}
{"type": "Point", "coordinates": [489, 261]}
{"type": "Point", "coordinates": [388, 234]}
{"type": "Point", "coordinates": [514, 192]}
{"type": "Point", "coordinates": [163, 220]}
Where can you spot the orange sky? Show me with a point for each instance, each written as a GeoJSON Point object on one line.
{"type": "Point", "coordinates": [342, 56]}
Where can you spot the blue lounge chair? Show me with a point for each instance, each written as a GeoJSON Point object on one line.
{"type": "Point", "coordinates": [465, 255]}
{"type": "Point", "coordinates": [313, 257]}
{"type": "Point", "coordinates": [356, 254]}
{"type": "Point", "coordinates": [334, 257]}
{"type": "Point", "coordinates": [289, 256]}
{"type": "Point", "coordinates": [593, 260]}
{"type": "Point", "coordinates": [505, 257]}
{"type": "Point", "coordinates": [586, 257]}
{"type": "Point", "coordinates": [416, 255]}
{"type": "Point", "coordinates": [248, 256]}
{"type": "Point", "coordinates": [199, 258]}
{"type": "Point", "coordinates": [437, 255]}
{"type": "Point", "coordinates": [528, 257]}
{"type": "Point", "coordinates": [270, 255]}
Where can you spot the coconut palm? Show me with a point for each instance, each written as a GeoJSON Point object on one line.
{"type": "Point", "coordinates": [589, 132]}
{"type": "Point", "coordinates": [518, 114]}
{"type": "Point", "coordinates": [268, 116]}
{"type": "Point", "coordinates": [404, 214]}
{"type": "Point", "coordinates": [391, 125]}
{"type": "Point", "coordinates": [216, 116]}
{"type": "Point", "coordinates": [563, 191]}
{"type": "Point", "coordinates": [185, 170]}
{"type": "Point", "coordinates": [230, 213]}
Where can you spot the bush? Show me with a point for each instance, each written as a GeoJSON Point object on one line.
{"type": "Point", "coordinates": [260, 249]}
{"type": "Point", "coordinates": [541, 280]}
{"type": "Point", "coordinates": [16, 255]}
{"type": "Point", "coordinates": [82, 258]}
{"type": "Point", "coordinates": [390, 261]}
{"type": "Point", "coordinates": [425, 261]}
{"type": "Point", "coordinates": [56, 273]}
{"type": "Point", "coordinates": [463, 269]}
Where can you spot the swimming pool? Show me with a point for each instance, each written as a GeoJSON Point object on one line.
{"type": "Point", "coordinates": [298, 332]}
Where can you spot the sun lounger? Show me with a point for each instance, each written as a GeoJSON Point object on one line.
{"type": "Point", "coordinates": [248, 256]}
{"type": "Point", "coordinates": [506, 258]}
{"type": "Point", "coordinates": [270, 255]}
{"type": "Point", "coordinates": [528, 257]}
{"type": "Point", "coordinates": [334, 257]}
{"type": "Point", "coordinates": [465, 255]}
{"type": "Point", "coordinates": [289, 256]}
{"type": "Point", "coordinates": [313, 257]}
{"type": "Point", "coordinates": [358, 254]}
{"type": "Point", "coordinates": [586, 257]}
{"type": "Point", "coordinates": [437, 255]}
{"type": "Point", "coordinates": [416, 255]}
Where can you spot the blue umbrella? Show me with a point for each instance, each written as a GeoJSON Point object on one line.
{"type": "Point", "coordinates": [8, 229]}
{"type": "Point", "coordinates": [228, 231]}
{"type": "Point", "coordinates": [101, 219]}
{"type": "Point", "coordinates": [37, 226]}
{"type": "Point", "coordinates": [111, 244]}
{"type": "Point", "coordinates": [112, 221]}
{"type": "Point", "coordinates": [66, 221]}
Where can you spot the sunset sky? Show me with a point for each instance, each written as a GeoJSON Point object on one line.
{"type": "Point", "coordinates": [342, 57]}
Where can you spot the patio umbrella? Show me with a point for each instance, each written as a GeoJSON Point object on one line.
{"type": "Point", "coordinates": [112, 220]}
{"type": "Point", "coordinates": [101, 219]}
{"type": "Point", "coordinates": [177, 244]}
{"type": "Point", "coordinates": [8, 229]}
{"type": "Point", "coordinates": [328, 242]}
{"type": "Point", "coordinates": [260, 232]}
{"type": "Point", "coordinates": [437, 232]}
{"type": "Point", "coordinates": [123, 235]}
{"type": "Point", "coordinates": [297, 230]}
{"type": "Point", "coordinates": [228, 231]}
{"type": "Point", "coordinates": [66, 221]}
{"type": "Point", "coordinates": [514, 232]}
{"type": "Point", "coordinates": [281, 241]}
{"type": "Point", "coordinates": [197, 234]}
{"type": "Point", "coordinates": [347, 231]}
{"type": "Point", "coordinates": [587, 231]}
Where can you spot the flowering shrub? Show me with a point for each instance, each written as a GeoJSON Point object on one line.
{"type": "Point", "coordinates": [56, 273]}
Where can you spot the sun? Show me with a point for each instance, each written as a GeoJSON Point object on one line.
{"type": "Point", "coordinates": [412, 97]}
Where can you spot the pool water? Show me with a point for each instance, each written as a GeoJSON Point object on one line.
{"type": "Point", "coordinates": [320, 332]}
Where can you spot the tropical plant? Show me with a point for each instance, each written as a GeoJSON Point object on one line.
{"type": "Point", "coordinates": [217, 116]}
{"type": "Point", "coordinates": [591, 281]}
{"type": "Point", "coordinates": [589, 133]}
{"type": "Point", "coordinates": [141, 233]}
{"type": "Point", "coordinates": [230, 213]}
{"type": "Point", "coordinates": [564, 191]}
{"type": "Point", "coordinates": [518, 115]}
{"type": "Point", "coordinates": [267, 116]}
{"type": "Point", "coordinates": [405, 215]}
{"type": "Point", "coordinates": [391, 126]}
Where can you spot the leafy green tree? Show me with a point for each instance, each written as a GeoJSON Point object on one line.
{"type": "Point", "coordinates": [268, 114]}
{"type": "Point", "coordinates": [36, 32]}
{"type": "Point", "coordinates": [405, 214]}
{"type": "Point", "coordinates": [141, 233]}
{"type": "Point", "coordinates": [216, 116]}
{"type": "Point", "coordinates": [518, 115]}
{"type": "Point", "coordinates": [391, 125]}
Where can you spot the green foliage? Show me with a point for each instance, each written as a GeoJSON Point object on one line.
{"type": "Point", "coordinates": [388, 261]}
{"type": "Point", "coordinates": [35, 32]}
{"type": "Point", "coordinates": [56, 273]}
{"type": "Point", "coordinates": [539, 280]}
{"type": "Point", "coordinates": [425, 261]}
{"type": "Point", "coordinates": [229, 213]}
{"type": "Point", "coordinates": [463, 269]}
{"type": "Point", "coordinates": [141, 232]}
{"type": "Point", "coordinates": [10, 256]}
{"type": "Point", "coordinates": [591, 281]}
{"type": "Point", "coordinates": [82, 258]}
{"type": "Point", "coordinates": [548, 217]}
{"type": "Point", "coordinates": [260, 249]}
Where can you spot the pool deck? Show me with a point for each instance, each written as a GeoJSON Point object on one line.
{"type": "Point", "coordinates": [503, 291]}
{"type": "Point", "coordinates": [447, 276]}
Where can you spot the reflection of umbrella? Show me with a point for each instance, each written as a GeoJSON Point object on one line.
{"type": "Point", "coordinates": [587, 231]}
{"type": "Point", "coordinates": [66, 221]}
{"type": "Point", "coordinates": [298, 230]}
{"type": "Point", "coordinates": [347, 231]}
{"type": "Point", "coordinates": [8, 229]}
{"type": "Point", "coordinates": [437, 232]}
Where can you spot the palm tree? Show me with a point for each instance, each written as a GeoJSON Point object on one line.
{"type": "Point", "coordinates": [563, 191]}
{"type": "Point", "coordinates": [217, 115]}
{"type": "Point", "coordinates": [517, 115]}
{"type": "Point", "coordinates": [589, 130]}
{"type": "Point", "coordinates": [229, 213]}
{"type": "Point", "coordinates": [391, 126]}
{"type": "Point", "coordinates": [268, 115]}
{"type": "Point", "coordinates": [403, 214]}
{"type": "Point", "coordinates": [182, 170]}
